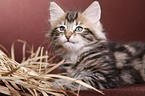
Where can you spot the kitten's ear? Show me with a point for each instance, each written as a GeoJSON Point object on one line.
{"type": "Point", "coordinates": [93, 12]}
{"type": "Point", "coordinates": [55, 12]}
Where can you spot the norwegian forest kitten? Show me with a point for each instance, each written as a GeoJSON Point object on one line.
{"type": "Point", "coordinates": [79, 39]}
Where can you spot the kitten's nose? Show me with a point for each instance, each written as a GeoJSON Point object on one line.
{"type": "Point", "coordinates": [67, 37]}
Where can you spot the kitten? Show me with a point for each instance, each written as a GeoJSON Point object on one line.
{"type": "Point", "coordinates": [78, 38]}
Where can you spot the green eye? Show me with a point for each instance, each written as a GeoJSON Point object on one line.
{"type": "Point", "coordinates": [61, 28]}
{"type": "Point", "coordinates": [79, 29]}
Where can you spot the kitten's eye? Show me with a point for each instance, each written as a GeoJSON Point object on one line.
{"type": "Point", "coordinates": [79, 29]}
{"type": "Point", "coordinates": [61, 29]}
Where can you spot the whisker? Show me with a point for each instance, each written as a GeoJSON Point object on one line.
{"type": "Point", "coordinates": [52, 46]}
{"type": "Point", "coordinates": [46, 20]}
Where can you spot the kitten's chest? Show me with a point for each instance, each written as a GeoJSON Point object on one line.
{"type": "Point", "coordinates": [74, 56]}
{"type": "Point", "coordinates": [71, 57]}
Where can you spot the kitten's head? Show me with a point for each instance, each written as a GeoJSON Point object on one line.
{"type": "Point", "coordinates": [73, 30]}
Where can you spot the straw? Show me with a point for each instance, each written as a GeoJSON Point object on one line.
{"type": "Point", "coordinates": [32, 76]}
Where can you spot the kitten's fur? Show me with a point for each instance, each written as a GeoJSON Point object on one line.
{"type": "Point", "coordinates": [79, 39]}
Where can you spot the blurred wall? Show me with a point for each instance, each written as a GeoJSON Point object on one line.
{"type": "Point", "coordinates": [124, 20]}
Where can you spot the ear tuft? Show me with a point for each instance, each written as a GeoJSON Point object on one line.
{"type": "Point", "coordinates": [55, 12]}
{"type": "Point", "coordinates": [93, 12]}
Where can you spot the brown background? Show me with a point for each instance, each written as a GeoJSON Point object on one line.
{"type": "Point", "coordinates": [123, 20]}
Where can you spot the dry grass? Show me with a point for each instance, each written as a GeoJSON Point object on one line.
{"type": "Point", "coordinates": [32, 76]}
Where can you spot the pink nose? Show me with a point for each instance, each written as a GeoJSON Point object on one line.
{"type": "Point", "coordinates": [67, 36]}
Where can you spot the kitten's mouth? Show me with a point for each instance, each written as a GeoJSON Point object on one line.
{"type": "Point", "coordinates": [70, 42]}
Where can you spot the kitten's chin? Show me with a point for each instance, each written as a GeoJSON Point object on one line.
{"type": "Point", "coordinates": [72, 46]}
{"type": "Point", "coordinates": [69, 44]}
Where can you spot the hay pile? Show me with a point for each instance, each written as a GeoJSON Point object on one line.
{"type": "Point", "coordinates": [32, 76]}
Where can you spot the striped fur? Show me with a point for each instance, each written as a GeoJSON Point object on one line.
{"type": "Point", "coordinates": [71, 16]}
{"type": "Point", "coordinates": [89, 56]}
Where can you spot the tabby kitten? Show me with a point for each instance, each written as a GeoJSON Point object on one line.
{"type": "Point", "coordinates": [79, 39]}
